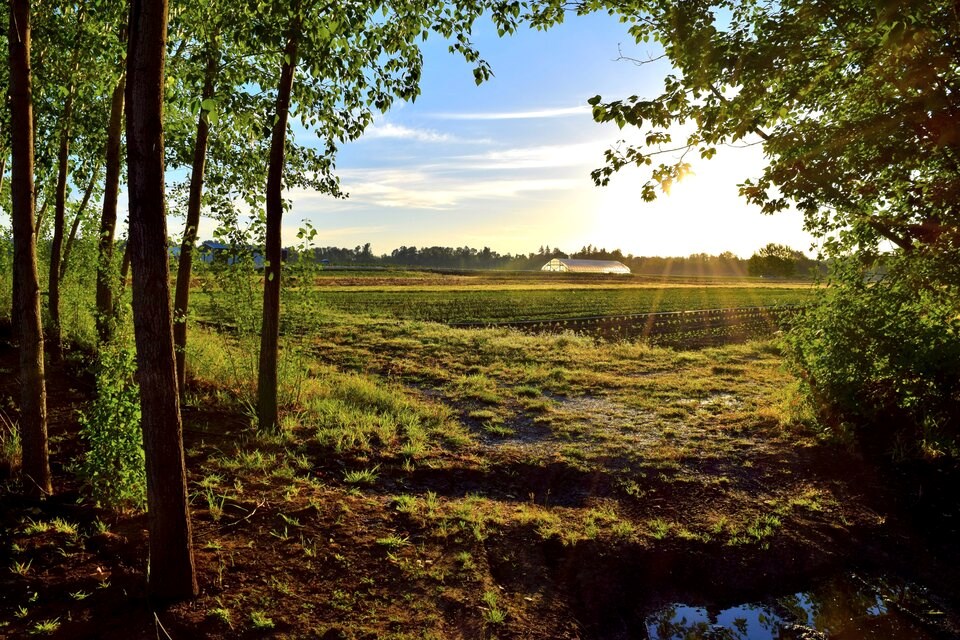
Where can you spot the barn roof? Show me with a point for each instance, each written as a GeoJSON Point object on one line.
{"type": "Point", "coordinates": [591, 266]}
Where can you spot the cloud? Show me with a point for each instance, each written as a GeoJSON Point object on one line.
{"type": "Point", "coordinates": [424, 189]}
{"type": "Point", "coordinates": [388, 130]}
{"type": "Point", "coordinates": [562, 112]}
{"type": "Point", "coordinates": [392, 131]}
{"type": "Point", "coordinates": [538, 157]}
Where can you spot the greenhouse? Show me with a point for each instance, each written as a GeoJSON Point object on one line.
{"type": "Point", "coordinates": [585, 266]}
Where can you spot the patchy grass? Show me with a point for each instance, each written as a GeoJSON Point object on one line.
{"type": "Point", "coordinates": [438, 482]}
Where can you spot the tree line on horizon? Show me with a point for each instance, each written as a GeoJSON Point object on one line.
{"type": "Point", "coordinates": [773, 260]}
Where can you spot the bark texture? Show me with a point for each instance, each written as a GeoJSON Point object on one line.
{"type": "Point", "coordinates": [185, 265]}
{"type": "Point", "coordinates": [33, 400]}
{"type": "Point", "coordinates": [172, 575]}
{"type": "Point", "coordinates": [267, 412]}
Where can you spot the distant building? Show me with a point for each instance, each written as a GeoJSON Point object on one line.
{"type": "Point", "coordinates": [585, 266]}
{"type": "Point", "coordinates": [211, 251]}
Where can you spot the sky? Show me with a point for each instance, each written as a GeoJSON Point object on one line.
{"type": "Point", "coordinates": [507, 164]}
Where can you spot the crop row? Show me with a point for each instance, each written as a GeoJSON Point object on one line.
{"type": "Point", "coordinates": [453, 306]}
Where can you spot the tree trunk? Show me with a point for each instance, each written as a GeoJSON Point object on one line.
{"type": "Point", "coordinates": [33, 403]}
{"type": "Point", "coordinates": [59, 222]}
{"type": "Point", "coordinates": [108, 217]}
{"type": "Point", "coordinates": [40, 212]}
{"type": "Point", "coordinates": [172, 575]}
{"type": "Point", "coordinates": [185, 266]}
{"type": "Point", "coordinates": [77, 219]}
{"type": "Point", "coordinates": [267, 413]}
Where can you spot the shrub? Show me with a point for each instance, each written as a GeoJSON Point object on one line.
{"type": "Point", "coordinates": [113, 464]}
{"type": "Point", "coordinates": [878, 354]}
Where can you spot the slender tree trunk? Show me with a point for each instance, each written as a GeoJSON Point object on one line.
{"type": "Point", "coordinates": [59, 222]}
{"type": "Point", "coordinates": [42, 210]}
{"type": "Point", "coordinates": [267, 412]}
{"type": "Point", "coordinates": [172, 575]}
{"type": "Point", "coordinates": [185, 266]}
{"type": "Point", "coordinates": [124, 269]}
{"type": "Point", "coordinates": [33, 403]}
{"type": "Point", "coordinates": [77, 219]}
{"type": "Point", "coordinates": [108, 217]}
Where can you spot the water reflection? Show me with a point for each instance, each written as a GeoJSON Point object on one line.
{"type": "Point", "coordinates": [844, 608]}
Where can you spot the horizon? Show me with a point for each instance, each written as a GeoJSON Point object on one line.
{"type": "Point", "coordinates": [507, 164]}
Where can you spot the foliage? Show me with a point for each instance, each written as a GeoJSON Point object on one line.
{"type": "Point", "coordinates": [113, 464]}
{"type": "Point", "coordinates": [854, 104]}
{"type": "Point", "coordinates": [878, 354]}
{"type": "Point", "coordinates": [779, 261]}
{"type": "Point", "coordinates": [10, 451]}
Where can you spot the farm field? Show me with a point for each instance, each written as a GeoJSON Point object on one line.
{"type": "Point", "coordinates": [439, 482]}
{"type": "Point", "coordinates": [492, 298]}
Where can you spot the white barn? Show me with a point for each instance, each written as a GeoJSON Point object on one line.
{"type": "Point", "coordinates": [585, 266]}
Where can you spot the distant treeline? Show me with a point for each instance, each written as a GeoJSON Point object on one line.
{"type": "Point", "coordinates": [725, 264]}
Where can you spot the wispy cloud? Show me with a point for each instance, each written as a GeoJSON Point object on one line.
{"type": "Point", "coordinates": [538, 157]}
{"type": "Point", "coordinates": [389, 130]}
{"type": "Point", "coordinates": [424, 189]}
{"type": "Point", "coordinates": [562, 112]}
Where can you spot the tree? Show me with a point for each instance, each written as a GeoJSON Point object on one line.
{"type": "Point", "coordinates": [775, 260]}
{"type": "Point", "coordinates": [856, 106]}
{"type": "Point", "coordinates": [33, 404]}
{"type": "Point", "coordinates": [351, 59]}
{"type": "Point", "coordinates": [172, 574]}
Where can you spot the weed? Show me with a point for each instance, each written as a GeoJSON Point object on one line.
{"type": "Point", "coordinates": [659, 529]}
{"type": "Point", "coordinates": [36, 526]}
{"type": "Point", "coordinates": [362, 476]}
{"type": "Point", "coordinates": [260, 620]}
{"type": "Point", "coordinates": [10, 448]}
{"type": "Point", "coordinates": [222, 614]}
{"type": "Point", "coordinates": [80, 595]}
{"type": "Point", "coordinates": [499, 430]}
{"type": "Point", "coordinates": [211, 481]}
{"type": "Point", "coordinates": [45, 627]}
{"type": "Point", "coordinates": [492, 613]}
{"type": "Point", "coordinates": [21, 612]}
{"type": "Point", "coordinates": [215, 504]}
{"type": "Point", "coordinates": [21, 568]}
{"type": "Point", "coordinates": [406, 503]}
{"type": "Point", "coordinates": [393, 541]}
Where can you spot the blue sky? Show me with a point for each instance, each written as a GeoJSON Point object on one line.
{"type": "Point", "coordinates": [507, 164]}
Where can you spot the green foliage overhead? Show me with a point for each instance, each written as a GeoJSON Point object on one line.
{"type": "Point", "coordinates": [855, 104]}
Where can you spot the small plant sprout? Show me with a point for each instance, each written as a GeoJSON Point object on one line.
{"type": "Point", "coordinates": [260, 620]}
{"type": "Point", "coordinates": [393, 541]}
{"type": "Point", "coordinates": [215, 505]}
{"type": "Point", "coordinates": [45, 627]}
{"type": "Point", "coordinates": [492, 612]}
{"type": "Point", "coordinates": [80, 595]}
{"type": "Point", "coordinates": [222, 614]}
{"type": "Point", "coordinates": [21, 568]}
{"type": "Point", "coordinates": [362, 476]}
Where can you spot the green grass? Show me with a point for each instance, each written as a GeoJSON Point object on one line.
{"type": "Point", "coordinates": [504, 305]}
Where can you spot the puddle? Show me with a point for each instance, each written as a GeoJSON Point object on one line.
{"type": "Point", "coordinates": [847, 608]}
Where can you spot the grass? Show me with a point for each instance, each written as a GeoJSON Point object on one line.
{"type": "Point", "coordinates": [385, 468]}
